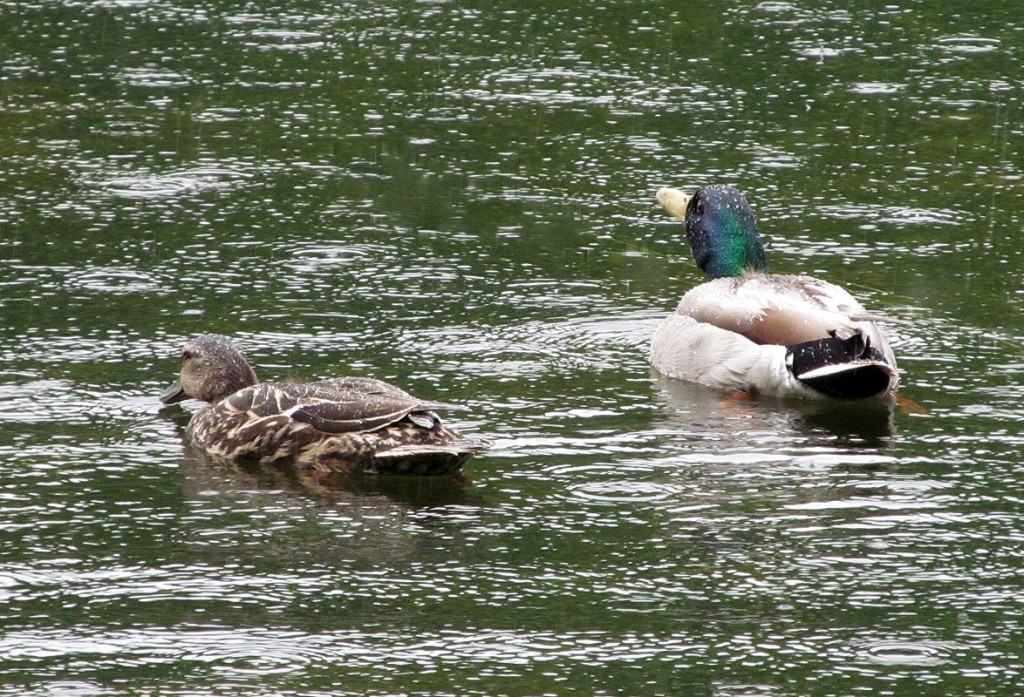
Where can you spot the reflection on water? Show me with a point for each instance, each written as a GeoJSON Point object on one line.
{"type": "Point", "coordinates": [732, 419]}
{"type": "Point", "coordinates": [206, 477]}
{"type": "Point", "coordinates": [459, 200]}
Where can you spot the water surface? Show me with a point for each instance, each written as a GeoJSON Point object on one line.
{"type": "Point", "coordinates": [459, 198]}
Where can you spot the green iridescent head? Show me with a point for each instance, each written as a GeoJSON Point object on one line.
{"type": "Point", "coordinates": [720, 228]}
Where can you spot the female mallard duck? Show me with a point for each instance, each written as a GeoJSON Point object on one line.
{"type": "Point", "coordinates": [341, 424]}
{"type": "Point", "coordinates": [748, 330]}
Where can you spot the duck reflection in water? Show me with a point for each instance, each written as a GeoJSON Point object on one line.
{"type": "Point", "coordinates": [343, 425]}
{"type": "Point", "coordinates": [209, 479]}
{"type": "Point", "coordinates": [735, 418]}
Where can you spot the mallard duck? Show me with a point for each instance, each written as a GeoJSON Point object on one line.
{"type": "Point", "coordinates": [748, 330]}
{"type": "Point", "coordinates": [341, 424]}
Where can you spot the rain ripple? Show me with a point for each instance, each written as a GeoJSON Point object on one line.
{"type": "Point", "coordinates": [284, 40]}
{"type": "Point", "coordinates": [154, 78]}
{"type": "Point", "coordinates": [893, 215]}
{"type": "Point", "coordinates": [32, 402]}
{"type": "Point", "coordinates": [115, 280]}
{"type": "Point", "coordinates": [157, 186]}
{"type": "Point", "coordinates": [910, 653]}
{"type": "Point", "coordinates": [248, 651]}
{"type": "Point", "coordinates": [622, 491]}
{"type": "Point", "coordinates": [966, 43]}
{"type": "Point", "coordinates": [876, 87]}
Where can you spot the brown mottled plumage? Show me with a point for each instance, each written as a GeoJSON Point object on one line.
{"type": "Point", "coordinates": [340, 424]}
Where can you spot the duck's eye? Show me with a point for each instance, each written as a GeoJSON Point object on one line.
{"type": "Point", "coordinates": [185, 355]}
{"type": "Point", "coordinates": [699, 207]}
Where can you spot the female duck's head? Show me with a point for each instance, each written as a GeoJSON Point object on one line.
{"type": "Point", "coordinates": [720, 228]}
{"type": "Point", "coordinates": [211, 369]}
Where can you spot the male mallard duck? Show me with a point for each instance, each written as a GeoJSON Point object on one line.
{"type": "Point", "coordinates": [748, 330]}
{"type": "Point", "coordinates": [341, 424]}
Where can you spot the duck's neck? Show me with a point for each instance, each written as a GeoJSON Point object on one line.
{"type": "Point", "coordinates": [235, 375]}
{"type": "Point", "coordinates": [733, 248]}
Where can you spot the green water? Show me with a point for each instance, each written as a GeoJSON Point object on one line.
{"type": "Point", "coordinates": [459, 198]}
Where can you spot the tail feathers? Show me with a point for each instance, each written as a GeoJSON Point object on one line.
{"type": "Point", "coordinates": [427, 459]}
{"type": "Point", "coordinates": [463, 446]}
{"type": "Point", "coordinates": [843, 368]}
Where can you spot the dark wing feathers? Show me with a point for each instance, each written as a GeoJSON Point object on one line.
{"type": "Point", "coordinates": [352, 416]}
{"type": "Point", "coordinates": [335, 406]}
{"type": "Point", "coordinates": [370, 389]}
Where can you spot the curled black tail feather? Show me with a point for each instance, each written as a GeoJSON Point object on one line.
{"type": "Point", "coordinates": [849, 368]}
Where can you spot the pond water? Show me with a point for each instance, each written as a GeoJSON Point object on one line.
{"type": "Point", "coordinates": [459, 198]}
